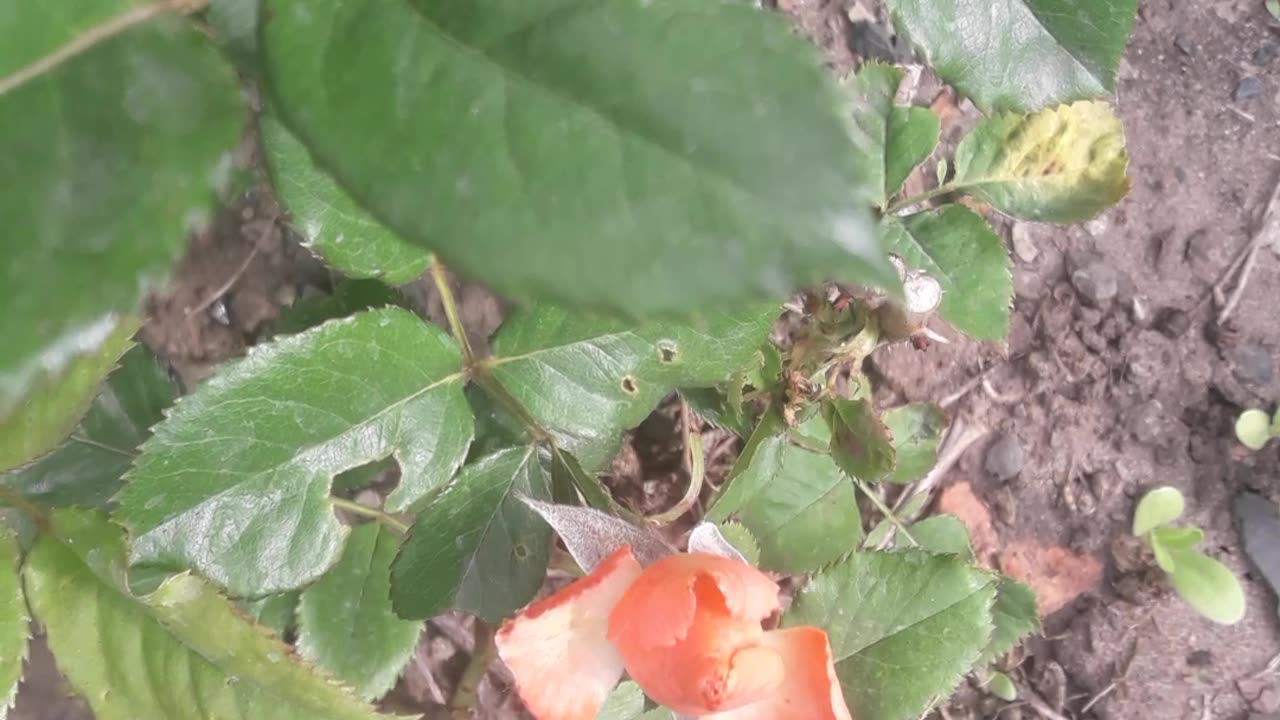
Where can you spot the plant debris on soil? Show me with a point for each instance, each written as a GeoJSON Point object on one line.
{"type": "Point", "coordinates": [1136, 340]}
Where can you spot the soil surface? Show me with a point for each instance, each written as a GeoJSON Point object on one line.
{"type": "Point", "coordinates": [1119, 375]}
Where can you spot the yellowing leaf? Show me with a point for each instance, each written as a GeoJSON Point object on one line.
{"type": "Point", "coordinates": [1065, 164]}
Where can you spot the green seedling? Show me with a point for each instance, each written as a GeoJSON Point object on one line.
{"type": "Point", "coordinates": [1001, 686]}
{"type": "Point", "coordinates": [1204, 583]}
{"type": "Point", "coordinates": [1254, 428]}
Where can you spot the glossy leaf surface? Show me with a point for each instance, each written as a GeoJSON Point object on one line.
{"type": "Point", "coordinates": [108, 157]}
{"type": "Point", "coordinates": [330, 222]}
{"type": "Point", "coordinates": [1020, 54]}
{"type": "Point", "coordinates": [86, 469]}
{"type": "Point", "coordinates": [477, 547]}
{"type": "Point", "coordinates": [235, 483]}
{"type": "Point", "coordinates": [345, 622]}
{"type": "Point", "coordinates": [638, 157]}
{"type": "Point", "coordinates": [585, 379]}
{"type": "Point", "coordinates": [798, 504]}
{"type": "Point", "coordinates": [904, 626]}
{"type": "Point", "coordinates": [1063, 165]}
{"type": "Point", "coordinates": [959, 249]}
{"type": "Point", "coordinates": [182, 652]}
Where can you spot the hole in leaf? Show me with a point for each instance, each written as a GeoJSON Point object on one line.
{"type": "Point", "coordinates": [668, 351]}
{"type": "Point", "coordinates": [521, 551]}
{"type": "Point", "coordinates": [629, 385]}
{"type": "Point", "coordinates": [377, 473]}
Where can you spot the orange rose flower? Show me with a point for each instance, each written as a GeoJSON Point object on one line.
{"type": "Point", "coordinates": [688, 631]}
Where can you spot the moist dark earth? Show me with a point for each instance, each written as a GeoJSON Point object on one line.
{"type": "Point", "coordinates": [1121, 373]}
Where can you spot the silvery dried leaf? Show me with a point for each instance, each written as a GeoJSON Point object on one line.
{"type": "Point", "coordinates": [591, 535]}
{"type": "Point", "coordinates": [708, 539]}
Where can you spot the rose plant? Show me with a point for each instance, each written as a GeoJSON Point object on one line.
{"type": "Point", "coordinates": [647, 181]}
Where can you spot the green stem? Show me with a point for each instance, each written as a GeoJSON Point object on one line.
{"type": "Point", "coordinates": [356, 508]}
{"type": "Point", "coordinates": [495, 390]}
{"type": "Point", "coordinates": [464, 697]}
{"type": "Point", "coordinates": [697, 473]}
{"type": "Point", "coordinates": [917, 199]}
{"type": "Point", "coordinates": [884, 509]}
{"type": "Point", "coordinates": [450, 304]}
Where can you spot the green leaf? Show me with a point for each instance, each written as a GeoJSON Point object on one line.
{"type": "Point", "coordinates": [329, 221]}
{"type": "Point", "coordinates": [1253, 429]}
{"type": "Point", "coordinates": [235, 483]}
{"type": "Point", "coordinates": [584, 379]}
{"type": "Point", "coordinates": [1273, 7]}
{"type": "Point", "coordinates": [1002, 687]}
{"type": "Point", "coordinates": [1064, 165]}
{"type": "Point", "coordinates": [1164, 559]}
{"type": "Point", "coordinates": [958, 248]}
{"type": "Point", "coordinates": [941, 535]}
{"type": "Point", "coordinates": [892, 140]}
{"type": "Point", "coordinates": [904, 626]}
{"type": "Point", "coordinates": [916, 429]}
{"type": "Point", "coordinates": [1014, 615]}
{"type": "Point", "coordinates": [742, 540]}
{"type": "Point", "coordinates": [722, 171]}
{"type": "Point", "coordinates": [1020, 54]}
{"type": "Point", "coordinates": [1174, 538]}
{"type": "Point", "coordinates": [345, 622]}
{"type": "Point", "coordinates": [797, 503]}
{"type": "Point", "coordinates": [477, 547]}
{"type": "Point", "coordinates": [235, 24]}
{"type": "Point", "coordinates": [181, 652]}
{"type": "Point", "coordinates": [14, 622]}
{"type": "Point", "coordinates": [348, 297]}
{"type": "Point", "coordinates": [55, 403]}
{"type": "Point", "coordinates": [860, 442]}
{"type": "Point", "coordinates": [276, 612]}
{"type": "Point", "coordinates": [110, 155]}
{"type": "Point", "coordinates": [86, 469]}
{"type": "Point", "coordinates": [1159, 507]}
{"type": "Point", "coordinates": [1208, 586]}
{"type": "Point", "coordinates": [626, 702]}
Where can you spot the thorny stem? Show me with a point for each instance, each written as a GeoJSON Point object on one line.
{"type": "Point", "coordinates": [356, 508]}
{"type": "Point", "coordinates": [464, 697]}
{"type": "Point", "coordinates": [884, 509]}
{"type": "Point", "coordinates": [97, 34]}
{"type": "Point", "coordinates": [450, 304]}
{"type": "Point", "coordinates": [907, 202]}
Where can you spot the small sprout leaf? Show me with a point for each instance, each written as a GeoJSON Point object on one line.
{"type": "Point", "coordinates": [1253, 429]}
{"type": "Point", "coordinates": [1172, 538]}
{"type": "Point", "coordinates": [1002, 687]}
{"type": "Point", "coordinates": [1158, 507]}
{"type": "Point", "coordinates": [1208, 586]}
{"type": "Point", "coordinates": [1163, 558]}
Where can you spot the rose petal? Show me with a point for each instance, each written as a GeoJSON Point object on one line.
{"type": "Point", "coordinates": [809, 689]}
{"type": "Point", "coordinates": [557, 648]}
{"type": "Point", "coordinates": [659, 607]}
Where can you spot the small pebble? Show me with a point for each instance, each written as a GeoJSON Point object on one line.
{"type": "Point", "coordinates": [1184, 45]}
{"type": "Point", "coordinates": [1005, 457]}
{"type": "Point", "coordinates": [1265, 54]}
{"type": "Point", "coordinates": [1147, 423]}
{"type": "Point", "coordinates": [1172, 323]}
{"type": "Point", "coordinates": [1024, 246]}
{"type": "Point", "coordinates": [1248, 88]}
{"type": "Point", "coordinates": [218, 311]}
{"type": "Point", "coordinates": [1097, 282]}
{"type": "Point", "coordinates": [1252, 365]}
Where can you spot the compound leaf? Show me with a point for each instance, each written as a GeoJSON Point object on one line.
{"type": "Point", "coordinates": [85, 470]}
{"type": "Point", "coordinates": [235, 483]}
{"type": "Point", "coordinates": [182, 652]}
{"type": "Point", "coordinates": [961, 251]}
{"type": "Point", "coordinates": [1014, 615]}
{"type": "Point", "coordinates": [860, 442]}
{"type": "Point", "coordinates": [584, 379]}
{"type": "Point", "coordinates": [1065, 164]}
{"type": "Point", "coordinates": [916, 429]}
{"type": "Point", "coordinates": [14, 622]}
{"type": "Point", "coordinates": [329, 221]}
{"type": "Point", "coordinates": [1020, 54]}
{"type": "Point", "coordinates": [904, 626]}
{"type": "Point", "coordinates": [109, 155]}
{"type": "Point", "coordinates": [55, 402]}
{"type": "Point", "coordinates": [798, 504]}
{"type": "Point", "coordinates": [720, 169]}
{"type": "Point", "coordinates": [345, 622]}
{"type": "Point", "coordinates": [940, 535]}
{"type": "Point", "coordinates": [477, 547]}
{"type": "Point", "coordinates": [892, 140]}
